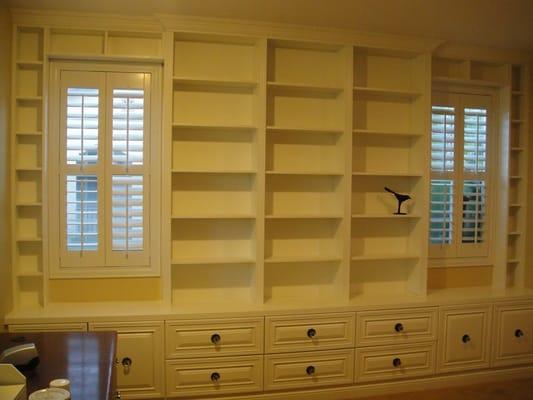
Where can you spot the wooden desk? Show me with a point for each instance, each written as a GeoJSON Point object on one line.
{"type": "Point", "coordinates": [87, 359]}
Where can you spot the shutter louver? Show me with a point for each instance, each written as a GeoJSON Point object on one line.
{"type": "Point", "coordinates": [82, 212]}
{"type": "Point", "coordinates": [128, 127]}
{"type": "Point", "coordinates": [82, 126]}
{"type": "Point", "coordinates": [441, 214]}
{"type": "Point", "coordinates": [127, 212]}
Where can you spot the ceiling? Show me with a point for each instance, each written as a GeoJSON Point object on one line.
{"type": "Point", "coordinates": [494, 23]}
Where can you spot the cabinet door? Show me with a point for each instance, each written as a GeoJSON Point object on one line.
{"type": "Point", "coordinates": [514, 334]}
{"type": "Point", "coordinates": [65, 327]}
{"type": "Point", "coordinates": [464, 338]}
{"type": "Point", "coordinates": [139, 357]}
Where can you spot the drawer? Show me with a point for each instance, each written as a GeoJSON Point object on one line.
{"type": "Point", "coordinates": [309, 332]}
{"type": "Point", "coordinates": [464, 338]}
{"type": "Point", "coordinates": [514, 334]}
{"type": "Point", "coordinates": [231, 336]}
{"type": "Point", "coordinates": [394, 362]}
{"type": "Point", "coordinates": [212, 376]}
{"type": "Point", "coordinates": [396, 326]}
{"type": "Point", "coordinates": [306, 370]}
{"type": "Point", "coordinates": [63, 327]}
{"type": "Point", "coordinates": [139, 371]}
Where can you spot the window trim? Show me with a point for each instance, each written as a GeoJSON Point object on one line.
{"type": "Point", "coordinates": [436, 260]}
{"type": "Point", "coordinates": [53, 140]}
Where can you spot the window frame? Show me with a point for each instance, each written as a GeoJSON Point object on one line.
{"type": "Point", "coordinates": [460, 254]}
{"type": "Point", "coordinates": [109, 264]}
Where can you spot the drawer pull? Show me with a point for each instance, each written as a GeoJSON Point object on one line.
{"type": "Point", "coordinates": [215, 338]}
{"type": "Point", "coordinates": [466, 339]}
{"type": "Point", "coordinates": [310, 370]}
{"type": "Point", "coordinates": [398, 327]}
{"type": "Point", "coordinates": [518, 333]}
{"type": "Point", "coordinates": [126, 363]}
{"type": "Point", "coordinates": [215, 377]}
{"type": "Point", "coordinates": [396, 363]}
{"type": "Point", "coordinates": [311, 333]}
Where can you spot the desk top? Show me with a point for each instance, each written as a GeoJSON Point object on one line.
{"type": "Point", "coordinates": [86, 359]}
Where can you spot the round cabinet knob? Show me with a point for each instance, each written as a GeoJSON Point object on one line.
{"type": "Point", "coordinates": [310, 370]}
{"type": "Point", "coordinates": [466, 338]}
{"type": "Point", "coordinates": [215, 377]}
{"type": "Point", "coordinates": [215, 338]}
{"type": "Point", "coordinates": [118, 396]}
{"type": "Point", "coordinates": [398, 327]}
{"type": "Point", "coordinates": [311, 333]}
{"type": "Point", "coordinates": [396, 362]}
{"type": "Point", "coordinates": [518, 333]}
{"type": "Point", "coordinates": [126, 362]}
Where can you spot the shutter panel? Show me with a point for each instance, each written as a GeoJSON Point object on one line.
{"type": "Point", "coordinates": [128, 126]}
{"type": "Point", "coordinates": [474, 198]}
{"type": "Point", "coordinates": [81, 213]}
{"type": "Point", "coordinates": [127, 212]}
{"type": "Point", "coordinates": [442, 138]}
{"type": "Point", "coordinates": [82, 126]}
{"type": "Point", "coordinates": [441, 212]}
{"type": "Point", "coordinates": [475, 140]}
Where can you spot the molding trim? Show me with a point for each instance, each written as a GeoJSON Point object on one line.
{"type": "Point", "coordinates": [478, 53]}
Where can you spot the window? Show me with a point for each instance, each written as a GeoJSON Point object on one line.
{"type": "Point", "coordinates": [104, 177]}
{"type": "Point", "coordinates": [460, 177]}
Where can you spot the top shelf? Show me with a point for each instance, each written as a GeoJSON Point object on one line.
{"type": "Point", "coordinates": [470, 82]}
{"type": "Point", "coordinates": [303, 89]}
{"type": "Point", "coordinates": [403, 94]}
{"type": "Point", "coordinates": [199, 83]}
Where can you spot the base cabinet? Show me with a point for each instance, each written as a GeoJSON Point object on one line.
{"type": "Point", "coordinates": [514, 334]}
{"type": "Point", "coordinates": [64, 327]}
{"type": "Point", "coordinates": [139, 369]}
{"type": "Point", "coordinates": [464, 340]}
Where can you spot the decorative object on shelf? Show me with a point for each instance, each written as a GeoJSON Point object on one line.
{"type": "Point", "coordinates": [401, 198]}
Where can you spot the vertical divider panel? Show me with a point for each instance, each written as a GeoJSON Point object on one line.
{"type": "Point", "coordinates": [260, 149]}
{"type": "Point", "coordinates": [44, 80]}
{"type": "Point", "coordinates": [166, 175]}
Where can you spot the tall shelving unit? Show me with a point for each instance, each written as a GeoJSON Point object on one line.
{"type": "Point", "coordinates": [306, 181]}
{"type": "Point", "coordinates": [391, 99]}
{"type": "Point", "coordinates": [216, 163]}
{"type": "Point", "coordinates": [28, 116]}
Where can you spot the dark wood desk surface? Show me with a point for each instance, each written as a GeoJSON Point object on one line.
{"type": "Point", "coordinates": [87, 359]}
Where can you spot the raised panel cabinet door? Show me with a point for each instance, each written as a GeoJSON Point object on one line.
{"type": "Point", "coordinates": [213, 376]}
{"type": "Point", "coordinates": [464, 338]}
{"type": "Point", "coordinates": [139, 369]}
{"type": "Point", "coordinates": [309, 369]}
{"type": "Point", "coordinates": [396, 326]}
{"type": "Point", "coordinates": [514, 334]}
{"type": "Point", "coordinates": [394, 362]}
{"type": "Point", "coordinates": [309, 332]}
{"type": "Point", "coordinates": [63, 327]}
{"type": "Point", "coordinates": [231, 336]}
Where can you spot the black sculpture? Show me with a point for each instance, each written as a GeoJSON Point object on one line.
{"type": "Point", "coordinates": [401, 198]}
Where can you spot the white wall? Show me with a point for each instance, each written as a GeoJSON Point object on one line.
{"type": "Point", "coordinates": [5, 80]}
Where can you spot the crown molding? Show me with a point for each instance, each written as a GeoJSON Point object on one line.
{"type": "Point", "coordinates": [485, 54]}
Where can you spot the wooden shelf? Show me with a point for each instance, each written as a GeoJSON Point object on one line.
{"type": "Point", "coordinates": [515, 177]}
{"type": "Point", "coordinates": [386, 133]}
{"type": "Point", "coordinates": [213, 260]}
{"type": "Point", "coordinates": [28, 204]}
{"type": "Point", "coordinates": [514, 233]}
{"type": "Point", "coordinates": [517, 93]}
{"type": "Point", "coordinates": [36, 133]}
{"type": "Point", "coordinates": [513, 261]}
{"type": "Point", "coordinates": [517, 121]}
{"type": "Point", "coordinates": [304, 90]}
{"type": "Point", "coordinates": [515, 205]}
{"type": "Point", "coordinates": [381, 92]}
{"type": "Point", "coordinates": [29, 169]}
{"type": "Point", "coordinates": [303, 216]}
{"type": "Point", "coordinates": [280, 129]}
{"type": "Point", "coordinates": [384, 173]}
{"type": "Point", "coordinates": [214, 171]}
{"type": "Point", "coordinates": [316, 173]}
{"type": "Point", "coordinates": [208, 127]}
{"type": "Point", "coordinates": [29, 99]}
{"type": "Point", "coordinates": [29, 239]}
{"type": "Point", "coordinates": [213, 83]}
{"type": "Point", "coordinates": [384, 257]}
{"type": "Point", "coordinates": [213, 216]}
{"type": "Point", "coordinates": [29, 64]}
{"type": "Point", "coordinates": [468, 82]}
{"type": "Point", "coordinates": [385, 216]}
{"type": "Point", "coordinates": [517, 149]}
{"type": "Point", "coordinates": [302, 259]}
{"type": "Point", "coordinates": [29, 274]}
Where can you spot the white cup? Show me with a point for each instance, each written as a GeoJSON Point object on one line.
{"type": "Point", "coordinates": [60, 383]}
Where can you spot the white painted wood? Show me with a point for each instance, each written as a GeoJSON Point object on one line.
{"type": "Point", "coordinates": [513, 334]}
{"type": "Point", "coordinates": [63, 327]}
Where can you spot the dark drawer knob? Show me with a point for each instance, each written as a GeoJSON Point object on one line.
{"type": "Point", "coordinates": [398, 327]}
{"type": "Point", "coordinates": [396, 362]}
{"type": "Point", "coordinates": [311, 333]}
{"type": "Point", "coordinates": [215, 338]}
{"type": "Point", "coordinates": [215, 377]}
{"type": "Point", "coordinates": [126, 362]}
{"type": "Point", "coordinates": [518, 333]}
{"type": "Point", "coordinates": [310, 370]}
{"type": "Point", "coordinates": [466, 338]}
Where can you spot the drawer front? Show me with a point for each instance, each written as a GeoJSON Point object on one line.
{"type": "Point", "coordinates": [514, 331]}
{"type": "Point", "coordinates": [396, 326]}
{"type": "Point", "coordinates": [66, 327]}
{"type": "Point", "coordinates": [305, 370]}
{"type": "Point", "coordinates": [212, 376]}
{"type": "Point", "coordinates": [310, 332]}
{"type": "Point", "coordinates": [394, 362]}
{"type": "Point", "coordinates": [232, 336]}
{"type": "Point", "coordinates": [465, 338]}
{"type": "Point", "coordinates": [139, 344]}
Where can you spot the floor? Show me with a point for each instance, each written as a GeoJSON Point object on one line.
{"type": "Point", "coordinates": [510, 390]}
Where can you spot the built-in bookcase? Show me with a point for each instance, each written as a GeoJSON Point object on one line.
{"type": "Point", "coordinates": [518, 144]}
{"type": "Point", "coordinates": [215, 165]}
{"type": "Point", "coordinates": [389, 150]}
{"type": "Point", "coordinates": [306, 165]}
